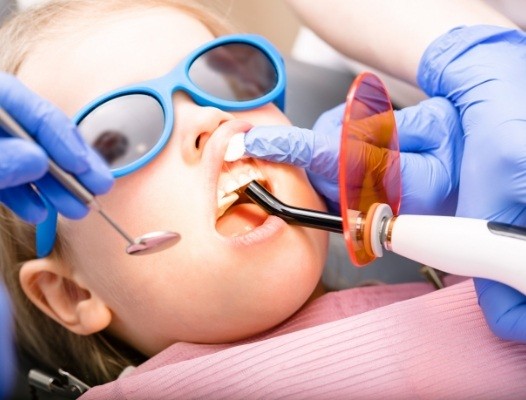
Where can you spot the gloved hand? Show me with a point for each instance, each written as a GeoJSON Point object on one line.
{"type": "Point", "coordinates": [430, 142]}
{"type": "Point", "coordinates": [7, 345]}
{"type": "Point", "coordinates": [22, 162]}
{"type": "Point", "coordinates": [481, 70]}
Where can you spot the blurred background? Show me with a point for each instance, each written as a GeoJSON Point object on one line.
{"type": "Point", "coordinates": [270, 18]}
{"type": "Point", "coordinates": [275, 20]}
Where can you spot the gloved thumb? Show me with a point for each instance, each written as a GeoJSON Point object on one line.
{"type": "Point", "coordinates": [429, 125]}
{"type": "Point", "coordinates": [504, 309]}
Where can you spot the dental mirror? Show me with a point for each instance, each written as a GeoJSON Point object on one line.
{"type": "Point", "coordinates": [146, 244]}
{"type": "Point", "coordinates": [152, 242]}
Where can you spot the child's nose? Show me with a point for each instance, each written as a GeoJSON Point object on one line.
{"type": "Point", "coordinates": [195, 124]}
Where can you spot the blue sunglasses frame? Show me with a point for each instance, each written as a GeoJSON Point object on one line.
{"type": "Point", "coordinates": [162, 89]}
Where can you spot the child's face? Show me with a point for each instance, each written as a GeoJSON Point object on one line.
{"type": "Point", "coordinates": [218, 283]}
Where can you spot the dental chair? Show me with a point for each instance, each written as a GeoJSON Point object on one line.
{"type": "Point", "coordinates": [311, 90]}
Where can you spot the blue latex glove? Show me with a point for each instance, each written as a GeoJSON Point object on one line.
{"type": "Point", "coordinates": [7, 357]}
{"type": "Point", "coordinates": [22, 162]}
{"type": "Point", "coordinates": [481, 69]}
{"type": "Point", "coordinates": [430, 142]}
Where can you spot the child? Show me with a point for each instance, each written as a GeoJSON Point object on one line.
{"type": "Point", "coordinates": [236, 274]}
{"type": "Point", "coordinates": [148, 303]}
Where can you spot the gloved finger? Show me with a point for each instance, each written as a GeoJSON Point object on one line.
{"type": "Point", "coordinates": [328, 189]}
{"type": "Point", "coordinates": [7, 345]}
{"type": "Point", "coordinates": [98, 179]}
{"type": "Point", "coordinates": [65, 203]}
{"type": "Point", "coordinates": [500, 157]}
{"type": "Point", "coordinates": [504, 309]}
{"type": "Point", "coordinates": [328, 134]}
{"type": "Point", "coordinates": [426, 185]}
{"type": "Point", "coordinates": [283, 144]}
{"type": "Point", "coordinates": [24, 202]}
{"type": "Point", "coordinates": [20, 162]}
{"type": "Point", "coordinates": [430, 135]}
{"type": "Point", "coordinates": [300, 147]}
{"type": "Point", "coordinates": [316, 151]}
{"type": "Point", "coordinates": [51, 127]}
{"type": "Point", "coordinates": [327, 141]}
{"type": "Point", "coordinates": [427, 125]}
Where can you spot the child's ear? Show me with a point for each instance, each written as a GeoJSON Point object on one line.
{"type": "Point", "coordinates": [61, 298]}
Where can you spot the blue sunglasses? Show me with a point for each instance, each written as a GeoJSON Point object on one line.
{"type": "Point", "coordinates": [129, 126]}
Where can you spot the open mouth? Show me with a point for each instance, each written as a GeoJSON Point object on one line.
{"type": "Point", "coordinates": [236, 214]}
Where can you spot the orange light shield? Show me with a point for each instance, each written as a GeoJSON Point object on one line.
{"type": "Point", "coordinates": [369, 160]}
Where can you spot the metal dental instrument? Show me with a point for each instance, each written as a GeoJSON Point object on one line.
{"type": "Point", "coordinates": [146, 244]}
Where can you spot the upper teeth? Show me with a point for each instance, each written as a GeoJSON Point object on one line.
{"type": "Point", "coordinates": [236, 147]}
{"type": "Point", "coordinates": [239, 174]}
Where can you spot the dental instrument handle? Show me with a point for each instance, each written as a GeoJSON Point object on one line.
{"type": "Point", "coordinates": [292, 215]}
{"type": "Point", "coordinates": [66, 179]}
{"type": "Point", "coordinates": [62, 176]}
{"type": "Point", "coordinates": [462, 246]}
{"type": "Point", "coordinates": [83, 194]}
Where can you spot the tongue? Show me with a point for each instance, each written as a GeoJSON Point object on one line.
{"type": "Point", "coordinates": [240, 219]}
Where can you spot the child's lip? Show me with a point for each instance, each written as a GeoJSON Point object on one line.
{"type": "Point", "coordinates": [213, 156]}
{"type": "Point", "coordinates": [269, 230]}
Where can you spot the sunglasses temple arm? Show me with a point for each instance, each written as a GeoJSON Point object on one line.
{"type": "Point", "coordinates": [292, 215]}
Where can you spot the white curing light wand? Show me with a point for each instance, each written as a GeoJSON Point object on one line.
{"type": "Point", "coordinates": [460, 246]}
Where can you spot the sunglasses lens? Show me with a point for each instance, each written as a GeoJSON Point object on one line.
{"type": "Point", "coordinates": [123, 129]}
{"type": "Point", "coordinates": [369, 159]}
{"type": "Point", "coordinates": [235, 72]}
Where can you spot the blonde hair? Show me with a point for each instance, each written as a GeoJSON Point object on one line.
{"type": "Point", "coordinates": [97, 358]}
